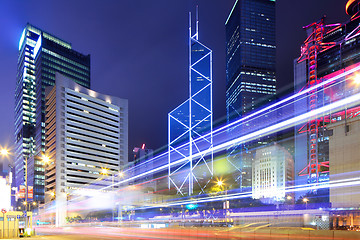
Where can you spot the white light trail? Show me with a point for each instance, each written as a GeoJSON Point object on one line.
{"type": "Point", "coordinates": [272, 107]}
{"type": "Point", "coordinates": [348, 102]}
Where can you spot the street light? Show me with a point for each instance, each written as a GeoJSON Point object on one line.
{"type": "Point", "coordinates": [288, 198]}
{"type": "Point", "coordinates": [120, 174]}
{"type": "Point", "coordinates": [226, 205]}
{"type": "Point", "coordinates": [305, 200]}
{"type": "Point", "coordinates": [356, 78]}
{"type": "Point", "coordinates": [220, 183]}
{"type": "Point", "coordinates": [104, 171]}
{"type": "Point", "coordinates": [46, 159]}
{"type": "Point", "coordinates": [4, 152]}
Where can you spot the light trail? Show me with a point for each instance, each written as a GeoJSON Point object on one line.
{"type": "Point", "coordinates": [281, 125]}
{"type": "Point", "coordinates": [300, 188]}
{"type": "Point", "coordinates": [257, 114]}
{"type": "Point", "coordinates": [347, 102]}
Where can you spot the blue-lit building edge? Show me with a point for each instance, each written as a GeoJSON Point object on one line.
{"type": "Point", "coordinates": [47, 55]}
{"type": "Point", "coordinates": [25, 105]}
{"type": "Point", "coordinates": [193, 119]}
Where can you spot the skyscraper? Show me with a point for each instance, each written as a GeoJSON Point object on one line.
{"type": "Point", "coordinates": [41, 55]}
{"type": "Point", "coordinates": [250, 72]}
{"type": "Point", "coordinates": [86, 135]}
{"type": "Point", "coordinates": [190, 124]}
{"type": "Point", "coordinates": [250, 56]}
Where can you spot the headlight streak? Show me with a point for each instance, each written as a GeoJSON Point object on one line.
{"type": "Point", "coordinates": [348, 102]}
{"type": "Point", "coordinates": [272, 107]}
{"type": "Point", "coordinates": [300, 188]}
{"type": "Point", "coordinates": [295, 120]}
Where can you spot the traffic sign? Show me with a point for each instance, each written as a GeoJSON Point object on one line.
{"type": "Point", "coordinates": [3, 210]}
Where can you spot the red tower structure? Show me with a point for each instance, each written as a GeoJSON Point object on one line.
{"type": "Point", "coordinates": [309, 51]}
{"type": "Point", "coordinates": [311, 48]}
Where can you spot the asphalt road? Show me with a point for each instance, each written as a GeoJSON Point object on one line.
{"type": "Point", "coordinates": [97, 233]}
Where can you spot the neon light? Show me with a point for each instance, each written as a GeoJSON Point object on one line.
{"type": "Point", "coordinates": [349, 8]}
{"type": "Point", "coordinates": [22, 38]}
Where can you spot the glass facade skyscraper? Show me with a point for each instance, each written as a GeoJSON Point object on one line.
{"type": "Point", "coordinates": [250, 56]}
{"type": "Point", "coordinates": [41, 55]}
{"type": "Point", "coordinates": [250, 73]}
{"type": "Point", "coordinates": [190, 124]}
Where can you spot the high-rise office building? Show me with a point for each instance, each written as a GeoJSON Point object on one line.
{"type": "Point", "coordinates": [250, 73]}
{"type": "Point", "coordinates": [250, 56]}
{"type": "Point", "coordinates": [86, 134]}
{"type": "Point", "coordinates": [41, 55]}
{"type": "Point", "coordinates": [190, 124]}
{"type": "Point", "coordinates": [328, 51]}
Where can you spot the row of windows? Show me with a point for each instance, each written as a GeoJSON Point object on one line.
{"type": "Point", "coordinates": [106, 163]}
{"type": "Point", "coordinates": [93, 143]}
{"type": "Point", "coordinates": [93, 119]}
{"type": "Point", "coordinates": [65, 59]}
{"type": "Point", "coordinates": [96, 102]}
{"type": "Point", "coordinates": [91, 113]}
{"type": "Point", "coordinates": [93, 149]}
{"type": "Point", "coordinates": [53, 67]}
{"type": "Point", "coordinates": [52, 60]}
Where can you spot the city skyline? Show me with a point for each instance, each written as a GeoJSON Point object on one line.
{"type": "Point", "coordinates": [181, 71]}
{"type": "Point", "coordinates": [101, 36]}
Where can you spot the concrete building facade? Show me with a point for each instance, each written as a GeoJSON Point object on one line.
{"type": "Point", "coordinates": [344, 156]}
{"type": "Point", "coordinates": [273, 171]}
{"type": "Point", "coordinates": [86, 136]}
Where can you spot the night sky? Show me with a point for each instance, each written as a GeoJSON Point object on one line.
{"type": "Point", "coordinates": [139, 50]}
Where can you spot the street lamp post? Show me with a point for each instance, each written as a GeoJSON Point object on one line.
{"type": "Point", "coordinates": [220, 183]}
{"type": "Point", "coordinates": [119, 175]}
{"type": "Point", "coordinates": [26, 191]}
{"type": "Point", "coordinates": [5, 152]}
{"type": "Point", "coordinates": [305, 200]}
{"type": "Point", "coordinates": [289, 198]}
{"type": "Point", "coordinates": [112, 190]}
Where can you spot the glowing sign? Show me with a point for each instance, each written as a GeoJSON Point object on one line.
{"type": "Point", "coordinates": [21, 191]}
{"type": "Point", "coordinates": [30, 192]}
{"type": "Point", "coordinates": [191, 206]}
